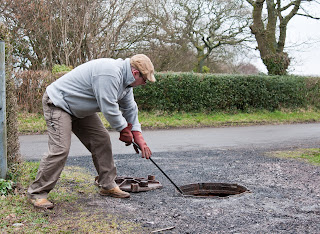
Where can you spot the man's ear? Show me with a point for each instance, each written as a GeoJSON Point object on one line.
{"type": "Point", "coordinates": [134, 71]}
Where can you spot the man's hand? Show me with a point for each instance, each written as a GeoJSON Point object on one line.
{"type": "Point", "coordinates": [126, 135]}
{"type": "Point", "coordinates": [145, 150]}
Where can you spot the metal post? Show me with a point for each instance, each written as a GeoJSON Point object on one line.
{"type": "Point", "coordinates": [3, 125]}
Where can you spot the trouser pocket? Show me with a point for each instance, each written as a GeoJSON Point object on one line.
{"type": "Point", "coordinates": [52, 115]}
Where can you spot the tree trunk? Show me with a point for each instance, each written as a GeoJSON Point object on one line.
{"type": "Point", "coordinates": [272, 49]}
{"type": "Point", "coordinates": [277, 63]}
{"type": "Point", "coordinates": [200, 60]}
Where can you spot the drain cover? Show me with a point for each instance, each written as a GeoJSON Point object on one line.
{"type": "Point", "coordinates": [135, 185]}
{"type": "Point", "coordinates": [212, 189]}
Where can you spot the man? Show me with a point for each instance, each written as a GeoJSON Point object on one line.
{"type": "Point", "coordinates": [71, 103]}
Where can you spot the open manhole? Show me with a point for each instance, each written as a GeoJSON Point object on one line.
{"type": "Point", "coordinates": [212, 189]}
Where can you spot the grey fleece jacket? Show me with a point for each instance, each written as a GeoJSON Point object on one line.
{"type": "Point", "coordinates": [100, 85]}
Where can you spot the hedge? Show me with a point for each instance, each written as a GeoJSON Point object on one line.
{"type": "Point", "coordinates": [191, 92]}
{"type": "Point", "coordinates": [13, 145]}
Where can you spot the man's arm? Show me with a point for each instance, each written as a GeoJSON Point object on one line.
{"type": "Point", "coordinates": [129, 110]}
{"type": "Point", "coordinates": [106, 92]}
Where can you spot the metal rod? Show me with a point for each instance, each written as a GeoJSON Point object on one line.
{"type": "Point", "coordinates": [135, 144]}
{"type": "Point", "coordinates": [3, 125]}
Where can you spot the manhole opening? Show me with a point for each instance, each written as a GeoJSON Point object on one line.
{"type": "Point", "coordinates": [213, 189]}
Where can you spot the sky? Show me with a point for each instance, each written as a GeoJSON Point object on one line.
{"type": "Point", "coordinates": [303, 45]}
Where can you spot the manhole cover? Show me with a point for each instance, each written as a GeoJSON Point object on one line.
{"type": "Point", "coordinates": [137, 184]}
{"type": "Point", "coordinates": [212, 189]}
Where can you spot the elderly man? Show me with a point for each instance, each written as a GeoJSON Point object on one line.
{"type": "Point", "coordinates": [71, 103]}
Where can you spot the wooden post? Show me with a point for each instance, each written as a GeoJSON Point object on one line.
{"type": "Point", "coordinates": [3, 125]}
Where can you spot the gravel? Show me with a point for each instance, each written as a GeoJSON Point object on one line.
{"type": "Point", "coordinates": [284, 194]}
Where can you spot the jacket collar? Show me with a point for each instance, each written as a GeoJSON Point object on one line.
{"type": "Point", "coordinates": [127, 74]}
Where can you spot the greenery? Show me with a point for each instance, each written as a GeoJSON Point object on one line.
{"type": "Point", "coordinates": [30, 123]}
{"type": "Point", "coordinates": [5, 186]}
{"type": "Point", "coordinates": [71, 193]}
{"type": "Point", "coordinates": [308, 155]}
{"type": "Point", "coordinates": [61, 68]}
{"type": "Point", "coordinates": [191, 92]}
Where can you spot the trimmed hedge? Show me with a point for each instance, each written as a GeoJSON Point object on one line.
{"type": "Point", "coordinates": [197, 92]}
{"type": "Point", "coordinates": [192, 92]}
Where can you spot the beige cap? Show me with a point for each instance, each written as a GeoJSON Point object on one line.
{"type": "Point", "coordinates": [144, 65]}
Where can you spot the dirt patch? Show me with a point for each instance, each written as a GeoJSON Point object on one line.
{"type": "Point", "coordinates": [284, 198]}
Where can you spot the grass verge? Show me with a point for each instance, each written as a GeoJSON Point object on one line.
{"type": "Point", "coordinates": [311, 155]}
{"type": "Point", "coordinates": [30, 123]}
{"type": "Point", "coordinates": [71, 214]}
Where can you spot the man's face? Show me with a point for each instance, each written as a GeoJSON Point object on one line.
{"type": "Point", "coordinates": [139, 80]}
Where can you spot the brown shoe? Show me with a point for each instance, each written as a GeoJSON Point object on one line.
{"type": "Point", "coordinates": [42, 203]}
{"type": "Point", "coordinates": [96, 183]}
{"type": "Point", "coordinates": [114, 192]}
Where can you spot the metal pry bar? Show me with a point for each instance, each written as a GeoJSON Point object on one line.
{"type": "Point", "coordinates": [136, 145]}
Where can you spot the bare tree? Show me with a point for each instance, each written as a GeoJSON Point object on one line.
{"type": "Point", "coordinates": [71, 32]}
{"type": "Point", "coordinates": [206, 25]}
{"type": "Point", "coordinates": [270, 30]}
{"type": "Point", "coordinates": [164, 42]}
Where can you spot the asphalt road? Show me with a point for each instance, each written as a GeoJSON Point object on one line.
{"type": "Point", "coordinates": [175, 140]}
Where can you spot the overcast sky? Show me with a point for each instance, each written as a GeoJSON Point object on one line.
{"type": "Point", "coordinates": [303, 41]}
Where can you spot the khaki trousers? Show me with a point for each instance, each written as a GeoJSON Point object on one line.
{"type": "Point", "coordinates": [90, 131]}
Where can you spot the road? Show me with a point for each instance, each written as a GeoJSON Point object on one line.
{"type": "Point", "coordinates": [293, 135]}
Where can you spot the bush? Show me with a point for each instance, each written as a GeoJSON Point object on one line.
{"type": "Point", "coordinates": [192, 92]}
{"type": "Point", "coordinates": [60, 68]}
{"type": "Point", "coordinates": [13, 145]}
{"type": "Point", "coordinates": [197, 92]}
{"type": "Point", "coordinates": [30, 87]}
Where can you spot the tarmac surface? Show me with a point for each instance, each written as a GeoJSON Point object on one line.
{"type": "Point", "coordinates": [35, 146]}
{"type": "Point", "coordinates": [283, 194]}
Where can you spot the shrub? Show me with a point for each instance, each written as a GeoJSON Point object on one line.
{"type": "Point", "coordinates": [60, 68]}
{"type": "Point", "coordinates": [192, 92]}
{"type": "Point", "coordinates": [13, 145]}
{"type": "Point", "coordinates": [199, 92]}
{"type": "Point", "coordinates": [30, 87]}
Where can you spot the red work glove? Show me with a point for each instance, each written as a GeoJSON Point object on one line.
{"type": "Point", "coordinates": [145, 150]}
{"type": "Point", "coordinates": [126, 135]}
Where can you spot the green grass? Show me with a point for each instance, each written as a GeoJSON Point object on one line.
{"type": "Point", "coordinates": [310, 155]}
{"type": "Point", "coordinates": [34, 123]}
{"type": "Point", "coordinates": [71, 214]}
{"type": "Point", "coordinates": [31, 123]}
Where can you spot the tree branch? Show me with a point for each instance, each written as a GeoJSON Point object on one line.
{"type": "Point", "coordinates": [287, 6]}
{"type": "Point", "coordinates": [251, 2]}
{"type": "Point", "coordinates": [309, 16]}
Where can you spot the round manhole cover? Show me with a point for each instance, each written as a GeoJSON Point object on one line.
{"type": "Point", "coordinates": [212, 189]}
